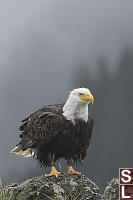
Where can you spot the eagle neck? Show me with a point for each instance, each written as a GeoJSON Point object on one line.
{"type": "Point", "coordinates": [73, 110]}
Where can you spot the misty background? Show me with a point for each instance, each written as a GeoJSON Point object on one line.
{"type": "Point", "coordinates": [49, 47]}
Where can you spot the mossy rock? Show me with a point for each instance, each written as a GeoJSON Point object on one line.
{"type": "Point", "coordinates": [68, 187]}
{"type": "Point", "coordinates": [111, 192]}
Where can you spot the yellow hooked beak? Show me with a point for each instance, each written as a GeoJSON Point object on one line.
{"type": "Point", "coordinates": [88, 97]}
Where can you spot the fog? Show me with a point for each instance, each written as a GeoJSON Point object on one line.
{"type": "Point", "coordinates": [48, 48]}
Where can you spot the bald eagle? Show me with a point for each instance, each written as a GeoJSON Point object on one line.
{"type": "Point", "coordinates": [58, 131]}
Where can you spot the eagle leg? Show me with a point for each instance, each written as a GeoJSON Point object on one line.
{"type": "Point", "coordinates": [70, 168]}
{"type": "Point", "coordinates": [54, 172]}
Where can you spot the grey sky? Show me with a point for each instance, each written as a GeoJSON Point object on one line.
{"type": "Point", "coordinates": [85, 28]}
{"type": "Point", "coordinates": [41, 41]}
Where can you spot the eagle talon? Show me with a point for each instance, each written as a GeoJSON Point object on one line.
{"type": "Point", "coordinates": [53, 172]}
{"type": "Point", "coordinates": [72, 171]}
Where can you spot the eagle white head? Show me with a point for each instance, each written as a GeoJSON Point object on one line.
{"type": "Point", "coordinates": [77, 104]}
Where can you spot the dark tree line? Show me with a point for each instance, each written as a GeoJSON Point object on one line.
{"type": "Point", "coordinates": [111, 145]}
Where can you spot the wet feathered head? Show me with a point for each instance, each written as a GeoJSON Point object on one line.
{"type": "Point", "coordinates": [77, 104]}
{"type": "Point", "coordinates": [81, 95]}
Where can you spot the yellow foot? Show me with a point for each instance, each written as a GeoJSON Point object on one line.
{"type": "Point", "coordinates": [72, 171]}
{"type": "Point", "coordinates": [53, 172]}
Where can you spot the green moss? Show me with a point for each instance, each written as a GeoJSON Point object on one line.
{"type": "Point", "coordinates": [3, 192]}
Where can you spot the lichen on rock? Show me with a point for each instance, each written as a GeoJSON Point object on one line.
{"type": "Point", "coordinates": [111, 192]}
{"type": "Point", "coordinates": [68, 187]}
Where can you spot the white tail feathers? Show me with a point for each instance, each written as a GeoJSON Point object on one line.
{"type": "Point", "coordinates": [16, 150]}
{"type": "Point", "coordinates": [27, 153]}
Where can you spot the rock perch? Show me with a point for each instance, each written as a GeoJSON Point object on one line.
{"type": "Point", "coordinates": [68, 187]}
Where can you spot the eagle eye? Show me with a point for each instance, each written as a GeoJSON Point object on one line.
{"type": "Point", "coordinates": [80, 94]}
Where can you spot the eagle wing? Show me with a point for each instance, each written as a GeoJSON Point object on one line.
{"type": "Point", "coordinates": [91, 124]}
{"type": "Point", "coordinates": [87, 138]}
{"type": "Point", "coordinates": [40, 127]}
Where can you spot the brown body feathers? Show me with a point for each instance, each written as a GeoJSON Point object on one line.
{"type": "Point", "coordinates": [48, 132]}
